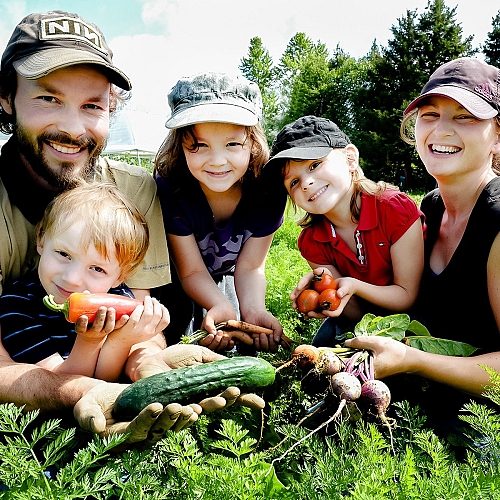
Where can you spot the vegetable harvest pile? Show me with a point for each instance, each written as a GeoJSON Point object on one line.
{"type": "Point", "coordinates": [347, 374]}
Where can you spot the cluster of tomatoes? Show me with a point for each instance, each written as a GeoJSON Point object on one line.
{"type": "Point", "coordinates": [321, 296]}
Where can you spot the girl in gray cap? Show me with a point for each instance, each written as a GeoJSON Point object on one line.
{"type": "Point", "coordinates": [366, 234]}
{"type": "Point", "coordinates": [220, 214]}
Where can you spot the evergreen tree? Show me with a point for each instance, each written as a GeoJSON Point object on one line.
{"type": "Point", "coordinates": [308, 88]}
{"type": "Point", "coordinates": [347, 77]}
{"type": "Point", "coordinates": [298, 54]}
{"type": "Point", "coordinates": [491, 48]}
{"type": "Point", "coordinates": [258, 68]}
{"type": "Point", "coordinates": [395, 77]}
{"type": "Point", "coordinates": [291, 61]}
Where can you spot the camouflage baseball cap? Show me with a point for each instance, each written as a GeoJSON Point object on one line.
{"type": "Point", "coordinates": [44, 42]}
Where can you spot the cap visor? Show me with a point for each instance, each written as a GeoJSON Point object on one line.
{"type": "Point", "coordinates": [45, 61]}
{"type": "Point", "coordinates": [220, 113]}
{"type": "Point", "coordinates": [470, 101]}
{"type": "Point", "coordinates": [302, 153]}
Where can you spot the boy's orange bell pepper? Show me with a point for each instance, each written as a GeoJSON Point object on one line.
{"type": "Point", "coordinates": [79, 304]}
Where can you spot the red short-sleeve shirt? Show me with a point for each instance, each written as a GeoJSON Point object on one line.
{"type": "Point", "coordinates": [383, 220]}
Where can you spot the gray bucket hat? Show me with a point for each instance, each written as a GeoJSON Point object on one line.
{"type": "Point", "coordinates": [214, 97]}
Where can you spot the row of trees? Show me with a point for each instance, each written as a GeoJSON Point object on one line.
{"type": "Point", "coordinates": [365, 97]}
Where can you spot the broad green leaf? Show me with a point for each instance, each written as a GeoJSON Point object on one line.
{"type": "Point", "coordinates": [393, 326]}
{"type": "Point", "coordinates": [392, 322]}
{"type": "Point", "coordinates": [416, 328]}
{"type": "Point", "coordinates": [273, 484]}
{"type": "Point", "coordinates": [440, 346]}
{"type": "Point", "coordinates": [362, 328]}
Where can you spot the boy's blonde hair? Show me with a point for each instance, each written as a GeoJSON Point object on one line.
{"type": "Point", "coordinates": [112, 222]}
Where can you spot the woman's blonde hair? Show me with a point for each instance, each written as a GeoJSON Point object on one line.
{"type": "Point", "coordinates": [407, 133]}
{"type": "Point", "coordinates": [171, 162]}
{"type": "Point", "coordinates": [112, 222]}
{"type": "Point", "coordinates": [361, 184]}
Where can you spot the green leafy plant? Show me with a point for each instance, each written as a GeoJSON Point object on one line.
{"type": "Point", "coordinates": [413, 333]}
{"type": "Point", "coordinates": [38, 460]}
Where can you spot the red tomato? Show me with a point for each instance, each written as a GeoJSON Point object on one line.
{"type": "Point", "coordinates": [308, 300]}
{"type": "Point", "coordinates": [329, 300]}
{"type": "Point", "coordinates": [323, 282]}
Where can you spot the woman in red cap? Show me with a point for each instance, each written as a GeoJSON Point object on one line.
{"type": "Point", "coordinates": [367, 235]}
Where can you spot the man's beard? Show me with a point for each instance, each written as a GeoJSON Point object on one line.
{"type": "Point", "coordinates": [64, 178]}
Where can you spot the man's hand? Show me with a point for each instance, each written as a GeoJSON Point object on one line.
{"type": "Point", "coordinates": [181, 355]}
{"type": "Point", "coordinates": [176, 356]}
{"type": "Point", "coordinates": [94, 411]}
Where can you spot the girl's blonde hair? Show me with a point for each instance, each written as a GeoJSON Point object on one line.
{"type": "Point", "coordinates": [407, 133]}
{"type": "Point", "coordinates": [361, 184]}
{"type": "Point", "coordinates": [112, 222]}
{"type": "Point", "coordinates": [171, 162]}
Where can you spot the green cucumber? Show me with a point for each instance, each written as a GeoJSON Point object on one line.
{"type": "Point", "coordinates": [191, 384]}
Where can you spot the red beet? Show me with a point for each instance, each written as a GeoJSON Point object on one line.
{"type": "Point", "coordinates": [378, 394]}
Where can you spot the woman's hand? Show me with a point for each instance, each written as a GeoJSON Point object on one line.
{"type": "Point", "coordinates": [390, 356]}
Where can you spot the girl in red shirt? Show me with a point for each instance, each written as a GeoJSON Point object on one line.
{"type": "Point", "coordinates": [367, 235]}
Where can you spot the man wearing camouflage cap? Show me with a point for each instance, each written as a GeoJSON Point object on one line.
{"type": "Point", "coordinates": [58, 89]}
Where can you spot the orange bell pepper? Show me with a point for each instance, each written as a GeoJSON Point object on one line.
{"type": "Point", "coordinates": [79, 304]}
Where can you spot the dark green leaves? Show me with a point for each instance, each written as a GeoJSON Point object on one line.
{"type": "Point", "coordinates": [440, 346]}
{"type": "Point", "coordinates": [412, 333]}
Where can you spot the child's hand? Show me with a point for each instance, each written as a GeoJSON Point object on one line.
{"type": "Point", "coordinates": [103, 324]}
{"type": "Point", "coordinates": [217, 340]}
{"type": "Point", "coordinates": [144, 323]}
{"type": "Point", "coordinates": [303, 284]}
{"type": "Point", "coordinates": [263, 342]}
{"type": "Point", "coordinates": [345, 290]}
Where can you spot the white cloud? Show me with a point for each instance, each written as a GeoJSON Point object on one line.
{"type": "Point", "coordinates": [10, 14]}
{"type": "Point", "coordinates": [196, 35]}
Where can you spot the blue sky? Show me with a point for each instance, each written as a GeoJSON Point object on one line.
{"type": "Point", "coordinates": [155, 42]}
